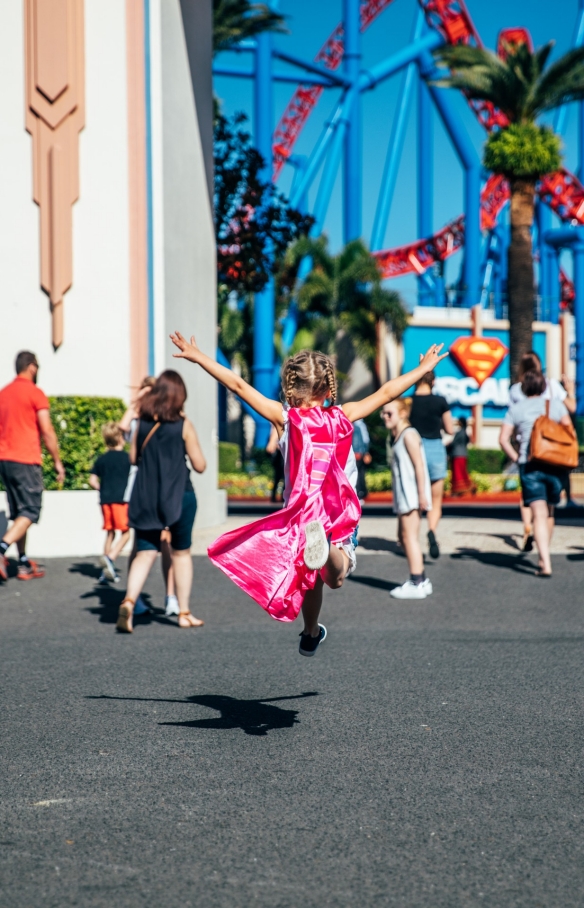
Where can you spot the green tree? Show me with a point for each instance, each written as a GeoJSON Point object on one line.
{"type": "Point", "coordinates": [254, 225]}
{"type": "Point", "coordinates": [519, 84]}
{"type": "Point", "coordinates": [342, 295]}
{"type": "Point", "coordinates": [234, 20]}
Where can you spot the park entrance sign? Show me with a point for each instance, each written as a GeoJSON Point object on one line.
{"type": "Point", "coordinates": [478, 356]}
{"type": "Point", "coordinates": [475, 377]}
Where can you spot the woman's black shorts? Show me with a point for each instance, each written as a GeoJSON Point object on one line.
{"type": "Point", "coordinates": [181, 532]}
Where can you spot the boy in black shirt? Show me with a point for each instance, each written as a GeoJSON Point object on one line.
{"type": "Point", "coordinates": [110, 477]}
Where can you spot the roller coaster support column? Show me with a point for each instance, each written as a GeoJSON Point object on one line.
{"type": "Point", "coordinates": [573, 238]}
{"type": "Point", "coordinates": [579, 40]}
{"type": "Point", "coordinates": [549, 276]}
{"type": "Point", "coordinates": [352, 160]}
{"type": "Point", "coordinates": [264, 307]}
{"type": "Point", "coordinates": [425, 190]}
{"type": "Point", "coordinates": [472, 183]}
{"type": "Point", "coordinates": [396, 145]}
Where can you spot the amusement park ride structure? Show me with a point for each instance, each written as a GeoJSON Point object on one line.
{"type": "Point", "coordinates": [482, 231]}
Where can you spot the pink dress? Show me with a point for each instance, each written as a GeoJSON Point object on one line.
{"type": "Point", "coordinates": [265, 558]}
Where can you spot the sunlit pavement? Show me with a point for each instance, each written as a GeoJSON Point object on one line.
{"type": "Point", "coordinates": [428, 755]}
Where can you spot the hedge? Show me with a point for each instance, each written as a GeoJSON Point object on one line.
{"type": "Point", "coordinates": [229, 457]}
{"type": "Point", "coordinates": [485, 460]}
{"type": "Point", "coordinates": [78, 422]}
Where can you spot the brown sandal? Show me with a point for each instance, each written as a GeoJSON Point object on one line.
{"type": "Point", "coordinates": [124, 622]}
{"type": "Point", "coordinates": [190, 620]}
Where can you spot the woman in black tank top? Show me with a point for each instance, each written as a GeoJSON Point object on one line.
{"type": "Point", "coordinates": [163, 502]}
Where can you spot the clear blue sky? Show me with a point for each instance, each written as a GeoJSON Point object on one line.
{"type": "Point", "coordinates": [311, 22]}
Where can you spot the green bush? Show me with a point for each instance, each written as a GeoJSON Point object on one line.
{"type": "Point", "coordinates": [78, 422]}
{"type": "Point", "coordinates": [485, 460]}
{"type": "Point", "coordinates": [229, 457]}
{"type": "Point", "coordinates": [263, 462]}
{"type": "Point", "coordinates": [379, 481]}
{"type": "Point", "coordinates": [378, 435]}
{"type": "Point", "coordinates": [240, 485]}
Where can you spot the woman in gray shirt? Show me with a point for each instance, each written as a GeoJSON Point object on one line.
{"type": "Point", "coordinates": [541, 483]}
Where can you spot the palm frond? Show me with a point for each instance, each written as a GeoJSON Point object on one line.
{"type": "Point", "coordinates": [561, 83]}
{"type": "Point", "coordinates": [235, 20]}
{"type": "Point", "coordinates": [316, 293]}
{"type": "Point", "coordinates": [463, 56]}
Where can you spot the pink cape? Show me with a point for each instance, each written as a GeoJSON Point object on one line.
{"type": "Point", "coordinates": [264, 558]}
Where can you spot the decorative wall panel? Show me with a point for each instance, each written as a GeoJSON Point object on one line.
{"type": "Point", "coordinates": [55, 114]}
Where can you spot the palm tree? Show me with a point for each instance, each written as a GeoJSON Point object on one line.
{"type": "Point", "coordinates": [341, 296]}
{"type": "Point", "coordinates": [234, 20]}
{"type": "Point", "coordinates": [520, 86]}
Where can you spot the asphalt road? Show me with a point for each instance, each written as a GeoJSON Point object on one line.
{"type": "Point", "coordinates": [429, 755]}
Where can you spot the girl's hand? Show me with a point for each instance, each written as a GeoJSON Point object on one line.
{"type": "Point", "coordinates": [431, 359]}
{"type": "Point", "coordinates": [568, 384]}
{"type": "Point", "coordinates": [424, 506]}
{"type": "Point", "coordinates": [187, 351]}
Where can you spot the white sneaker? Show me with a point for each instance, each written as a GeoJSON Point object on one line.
{"type": "Point", "coordinates": [316, 551]}
{"type": "Point", "coordinates": [108, 567]}
{"type": "Point", "coordinates": [171, 606]}
{"type": "Point", "coordinates": [409, 590]}
{"type": "Point", "coordinates": [140, 607]}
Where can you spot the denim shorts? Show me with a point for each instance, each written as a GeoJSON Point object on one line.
{"type": "Point", "coordinates": [435, 458]}
{"type": "Point", "coordinates": [540, 485]}
{"type": "Point", "coordinates": [181, 532]}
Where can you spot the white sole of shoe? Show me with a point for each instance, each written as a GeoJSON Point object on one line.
{"type": "Point", "coordinates": [316, 551]}
{"type": "Point", "coordinates": [395, 595]}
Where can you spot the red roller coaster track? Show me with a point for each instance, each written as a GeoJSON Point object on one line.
{"type": "Point", "coordinates": [305, 97]}
{"type": "Point", "coordinates": [562, 191]}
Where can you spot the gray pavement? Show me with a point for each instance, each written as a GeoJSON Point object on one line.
{"type": "Point", "coordinates": [429, 755]}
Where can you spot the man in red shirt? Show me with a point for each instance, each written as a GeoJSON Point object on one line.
{"type": "Point", "coordinates": [24, 420]}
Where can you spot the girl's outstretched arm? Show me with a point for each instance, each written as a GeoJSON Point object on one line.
{"type": "Point", "coordinates": [269, 409]}
{"type": "Point", "coordinates": [391, 389]}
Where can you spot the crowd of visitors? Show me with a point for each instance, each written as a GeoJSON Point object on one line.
{"type": "Point", "coordinates": [150, 491]}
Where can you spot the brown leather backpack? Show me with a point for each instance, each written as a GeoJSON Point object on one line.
{"type": "Point", "coordinates": [553, 443]}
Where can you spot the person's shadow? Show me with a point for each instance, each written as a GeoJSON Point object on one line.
{"type": "Point", "coordinates": [110, 597]}
{"type": "Point", "coordinates": [254, 717]}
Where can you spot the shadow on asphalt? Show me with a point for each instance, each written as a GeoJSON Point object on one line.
{"type": "Point", "coordinates": [375, 582]}
{"type": "Point", "coordinates": [110, 598]}
{"type": "Point", "coordinates": [518, 563]}
{"type": "Point", "coordinates": [254, 717]}
{"type": "Point", "coordinates": [576, 557]}
{"type": "Point", "coordinates": [380, 545]}
{"type": "Point", "coordinates": [508, 538]}
{"type": "Point", "coordinates": [86, 569]}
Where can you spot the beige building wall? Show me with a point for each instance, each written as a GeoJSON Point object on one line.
{"type": "Point", "coordinates": [94, 356]}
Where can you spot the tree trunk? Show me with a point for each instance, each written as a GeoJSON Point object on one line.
{"type": "Point", "coordinates": [520, 281]}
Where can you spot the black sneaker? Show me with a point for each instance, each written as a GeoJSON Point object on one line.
{"type": "Point", "coordinates": [434, 550]}
{"type": "Point", "coordinates": [309, 645]}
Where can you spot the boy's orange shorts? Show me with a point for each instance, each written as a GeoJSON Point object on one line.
{"type": "Point", "coordinates": [115, 517]}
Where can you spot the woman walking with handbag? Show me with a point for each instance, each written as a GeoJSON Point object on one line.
{"type": "Point", "coordinates": [553, 390]}
{"type": "Point", "coordinates": [547, 449]}
{"type": "Point", "coordinates": [163, 503]}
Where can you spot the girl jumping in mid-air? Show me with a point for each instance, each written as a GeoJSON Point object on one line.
{"type": "Point", "coordinates": [283, 560]}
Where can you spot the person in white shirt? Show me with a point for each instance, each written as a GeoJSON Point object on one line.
{"type": "Point", "coordinates": [554, 390]}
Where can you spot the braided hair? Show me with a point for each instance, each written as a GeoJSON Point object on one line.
{"type": "Point", "coordinates": [307, 376]}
